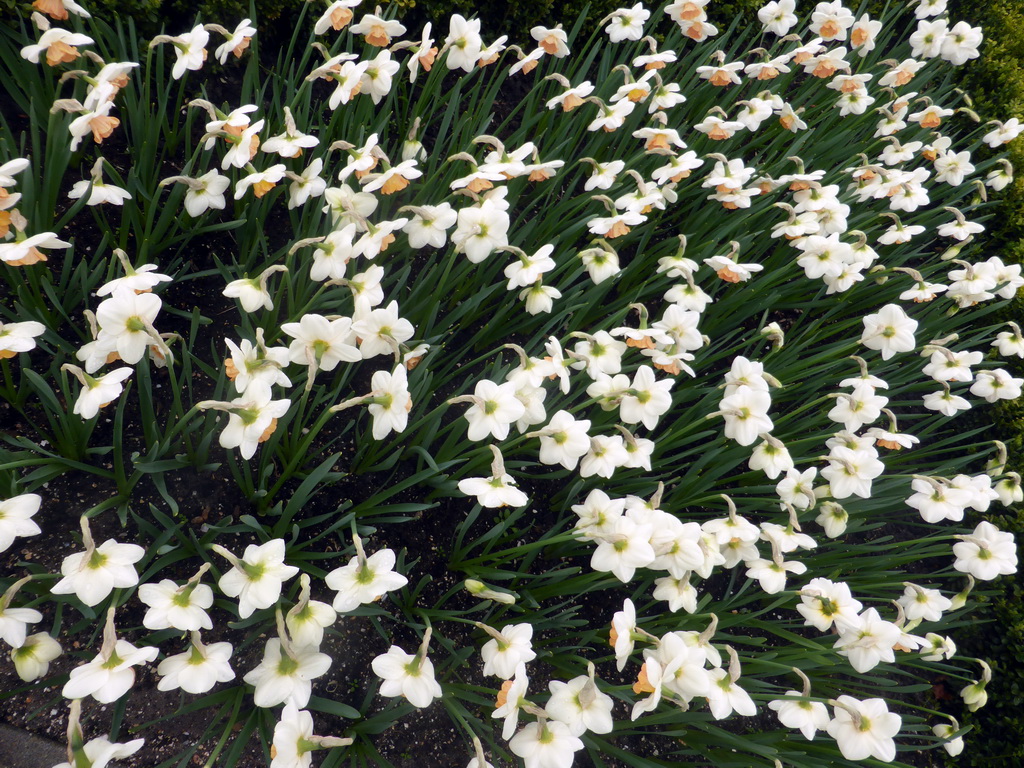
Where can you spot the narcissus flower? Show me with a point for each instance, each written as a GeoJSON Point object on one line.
{"type": "Point", "coordinates": [198, 669]}
{"type": "Point", "coordinates": [32, 658]}
{"type": "Point", "coordinates": [411, 677]}
{"type": "Point", "coordinates": [864, 729]}
{"type": "Point", "coordinates": [110, 674]}
{"type": "Point", "coordinates": [336, 17]}
{"type": "Point", "coordinates": [581, 705]}
{"type": "Point", "coordinates": [25, 251]}
{"type": "Point", "coordinates": [183, 608]}
{"type": "Point", "coordinates": [376, 30]}
{"type": "Point", "coordinates": [255, 579]}
{"type": "Point", "coordinates": [507, 649]}
{"type": "Point", "coordinates": [294, 741]}
{"type": "Point", "coordinates": [189, 48]}
{"type": "Point", "coordinates": [252, 418]}
{"type": "Point", "coordinates": [286, 673]}
{"type": "Point", "coordinates": [365, 579]}
{"type": "Point", "coordinates": [890, 330]}
{"type": "Point", "coordinates": [498, 490]}
{"type": "Point", "coordinates": [16, 518]}
{"type": "Point", "coordinates": [546, 744]}
{"type": "Point", "coordinates": [93, 574]}
{"type": "Point", "coordinates": [59, 44]}
{"type": "Point", "coordinates": [96, 753]}
{"type": "Point", "coordinates": [986, 553]}
{"type": "Point", "coordinates": [235, 42]}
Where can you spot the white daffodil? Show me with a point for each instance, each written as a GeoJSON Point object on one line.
{"type": "Point", "coordinates": [182, 607]}
{"type": "Point", "coordinates": [255, 579]}
{"type": "Point", "coordinates": [110, 674]}
{"type": "Point", "coordinates": [581, 705]}
{"type": "Point", "coordinates": [411, 677]}
{"type": "Point", "coordinates": [189, 49]}
{"type": "Point", "coordinates": [198, 669]}
{"type": "Point", "coordinates": [294, 741]}
{"type": "Point", "coordinates": [364, 579]}
{"type": "Point", "coordinates": [16, 518]}
{"type": "Point", "coordinates": [498, 490]}
{"type": "Point", "coordinates": [93, 574]}
{"type": "Point", "coordinates": [252, 418]}
{"type": "Point", "coordinates": [286, 673]}
{"type": "Point", "coordinates": [381, 330]}
{"type": "Point", "coordinates": [864, 729]}
{"type": "Point", "coordinates": [307, 619]}
{"type": "Point", "coordinates": [32, 658]}
{"type": "Point", "coordinates": [96, 753]}
{"type": "Point", "coordinates": [14, 621]}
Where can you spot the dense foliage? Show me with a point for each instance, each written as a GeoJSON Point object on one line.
{"type": "Point", "coordinates": [626, 328]}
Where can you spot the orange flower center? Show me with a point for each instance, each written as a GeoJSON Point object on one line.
{"type": "Point", "coordinates": [395, 183]}
{"type": "Point", "coordinates": [642, 684]}
{"type": "Point", "coordinates": [268, 431]}
{"type": "Point", "coordinates": [340, 17]}
{"type": "Point", "coordinates": [503, 694]}
{"type": "Point", "coordinates": [60, 52]}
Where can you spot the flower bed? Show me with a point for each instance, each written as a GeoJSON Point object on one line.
{"type": "Point", "coordinates": [568, 393]}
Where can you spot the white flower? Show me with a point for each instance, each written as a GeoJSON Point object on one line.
{"type": "Point", "coordinates": [198, 669]}
{"type": "Point", "coordinates": [93, 574]}
{"type": "Point", "coordinates": [850, 472]}
{"type": "Point", "coordinates": [463, 43]}
{"type": "Point", "coordinates": [481, 229]}
{"type": "Point", "coordinates": [997, 385]}
{"type": "Point", "coordinates": [864, 729]}
{"type": "Point", "coordinates": [252, 291]}
{"type": "Point", "coordinates": [945, 731]}
{"type": "Point", "coordinates": [285, 674]}
{"type": "Point", "coordinates": [806, 716]}
{"type": "Point", "coordinates": [390, 402]}
{"type": "Point", "coordinates": [406, 675]}
{"type": "Point", "coordinates": [99, 192]}
{"type": "Point", "coordinates": [495, 408]}
{"type": "Point", "coordinates": [581, 705]}
{"type": "Point", "coordinates": [32, 658]}
{"type": "Point", "coordinates": [623, 548]}
{"type": "Point", "coordinates": [189, 48]}
{"type": "Point", "coordinates": [381, 330]}
{"type": "Point", "coordinates": [183, 608]}
{"type": "Point", "coordinates": [507, 649]}
{"type": "Point", "coordinates": [920, 603]}
{"type": "Point", "coordinates": [100, 391]}
{"type": "Point", "coordinates": [294, 740]}
{"type": "Point", "coordinates": [257, 577]}
{"type": "Point", "coordinates": [59, 45]}
{"type": "Point", "coordinates": [207, 193]}
{"type": "Point", "coordinates": [778, 17]}
{"type": "Point", "coordinates": [16, 518]}
{"type": "Point", "coordinates": [100, 751]}
{"type": "Point", "coordinates": [986, 553]}
{"type": "Point", "coordinates": [321, 342]}
{"type": "Point", "coordinates": [14, 621]}
{"type": "Point", "coordinates": [430, 225]}
{"type": "Point", "coordinates": [252, 418]}
{"type": "Point", "coordinates": [824, 602]}
{"type": "Point", "coordinates": [746, 414]}
{"type": "Point", "coordinates": [110, 674]}
{"type": "Point", "coordinates": [235, 41]}
{"type": "Point", "coordinates": [548, 744]}
{"type": "Point", "coordinates": [867, 640]}
{"type": "Point", "coordinates": [364, 579]}
{"type": "Point", "coordinates": [307, 619]}
{"type": "Point", "coordinates": [128, 318]}
{"type": "Point", "coordinates": [627, 23]}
